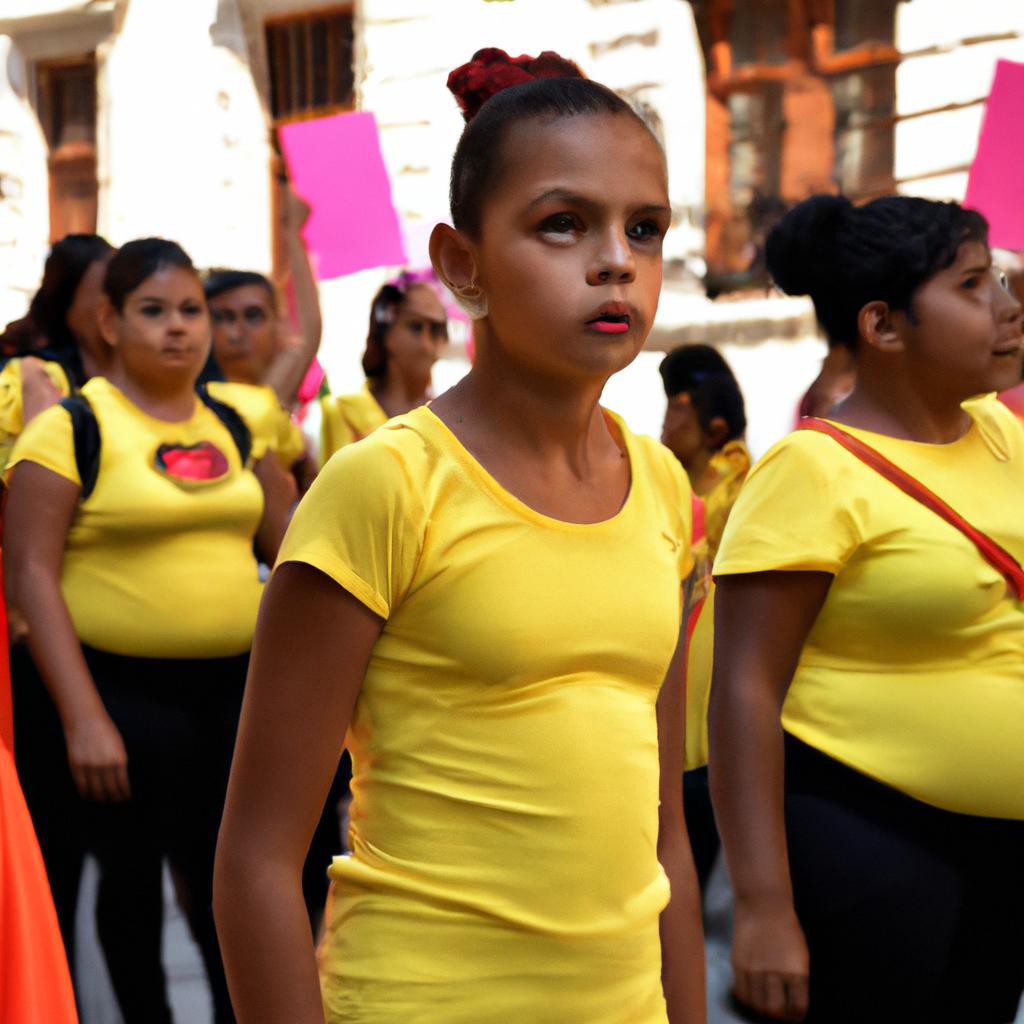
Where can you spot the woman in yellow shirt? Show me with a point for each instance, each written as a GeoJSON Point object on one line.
{"type": "Point", "coordinates": [867, 706]}
{"type": "Point", "coordinates": [408, 329]}
{"type": "Point", "coordinates": [485, 595]}
{"type": "Point", "coordinates": [130, 555]}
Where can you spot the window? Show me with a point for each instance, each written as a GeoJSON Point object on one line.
{"type": "Point", "coordinates": [801, 99]}
{"type": "Point", "coordinates": [310, 60]}
{"type": "Point", "coordinates": [66, 92]}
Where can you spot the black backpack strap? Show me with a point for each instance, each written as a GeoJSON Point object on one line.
{"type": "Point", "coordinates": [86, 432]}
{"type": "Point", "coordinates": [232, 420]}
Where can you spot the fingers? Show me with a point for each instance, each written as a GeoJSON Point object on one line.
{"type": "Point", "coordinates": [773, 995]}
{"type": "Point", "coordinates": [102, 783]}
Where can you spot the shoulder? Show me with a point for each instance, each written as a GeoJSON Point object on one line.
{"type": "Point", "coordinates": [1001, 426]}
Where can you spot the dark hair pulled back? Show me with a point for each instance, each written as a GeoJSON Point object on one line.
{"type": "Point", "coordinates": [65, 267]}
{"type": "Point", "coordinates": [495, 91]}
{"type": "Point", "coordinates": [218, 281]}
{"type": "Point", "coordinates": [135, 261]}
{"type": "Point", "coordinates": [845, 256]}
{"type": "Point", "coordinates": [701, 372]}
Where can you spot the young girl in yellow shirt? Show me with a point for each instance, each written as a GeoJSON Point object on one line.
{"type": "Point", "coordinates": [485, 595]}
{"type": "Point", "coordinates": [867, 703]}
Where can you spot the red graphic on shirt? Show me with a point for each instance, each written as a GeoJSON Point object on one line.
{"type": "Point", "coordinates": [194, 462]}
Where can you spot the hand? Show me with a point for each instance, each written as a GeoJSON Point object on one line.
{"type": "Point", "coordinates": [770, 963]}
{"type": "Point", "coordinates": [296, 210]}
{"type": "Point", "coordinates": [98, 759]}
{"type": "Point", "coordinates": [38, 392]}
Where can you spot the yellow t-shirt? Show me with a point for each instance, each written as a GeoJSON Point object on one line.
{"type": "Point", "coordinates": [504, 820]}
{"type": "Point", "coordinates": [11, 406]}
{"type": "Point", "coordinates": [348, 418]}
{"type": "Point", "coordinates": [913, 672]}
{"type": "Point", "coordinates": [159, 560]}
{"type": "Point", "coordinates": [270, 424]}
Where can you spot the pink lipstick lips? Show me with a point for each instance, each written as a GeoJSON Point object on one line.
{"type": "Point", "coordinates": [611, 318]}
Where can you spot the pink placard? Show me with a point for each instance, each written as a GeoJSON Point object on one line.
{"type": "Point", "coordinates": [336, 165]}
{"type": "Point", "coordinates": [995, 185]}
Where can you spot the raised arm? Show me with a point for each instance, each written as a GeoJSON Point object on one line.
{"type": "Point", "coordinates": [40, 507]}
{"type": "Point", "coordinates": [761, 623]}
{"type": "Point", "coordinates": [682, 935]}
{"type": "Point", "coordinates": [312, 647]}
{"type": "Point", "coordinates": [289, 367]}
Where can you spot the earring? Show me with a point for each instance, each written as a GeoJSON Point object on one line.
{"type": "Point", "coordinates": [472, 299]}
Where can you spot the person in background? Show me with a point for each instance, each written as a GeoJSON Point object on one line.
{"type": "Point", "coordinates": [255, 364]}
{"type": "Point", "coordinates": [57, 346]}
{"type": "Point", "coordinates": [485, 595]}
{"type": "Point", "coordinates": [408, 330]}
{"type": "Point", "coordinates": [867, 704]}
{"type": "Point", "coordinates": [131, 521]}
{"type": "Point", "coordinates": [705, 421]}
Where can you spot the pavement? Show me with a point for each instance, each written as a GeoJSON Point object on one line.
{"type": "Point", "coordinates": [190, 1001]}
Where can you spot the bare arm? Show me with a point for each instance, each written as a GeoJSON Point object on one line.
{"type": "Point", "coordinates": [40, 508]}
{"type": "Point", "coordinates": [312, 646]}
{"type": "Point", "coordinates": [38, 392]}
{"type": "Point", "coordinates": [280, 492]}
{"type": "Point", "coordinates": [761, 623]}
{"type": "Point", "coordinates": [289, 367]}
{"type": "Point", "coordinates": [682, 935]}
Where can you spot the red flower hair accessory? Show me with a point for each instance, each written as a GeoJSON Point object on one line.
{"type": "Point", "coordinates": [492, 70]}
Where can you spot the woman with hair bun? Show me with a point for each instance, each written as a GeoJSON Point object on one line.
{"type": "Point", "coordinates": [408, 328]}
{"type": "Point", "coordinates": [484, 599]}
{"type": "Point", "coordinates": [867, 768]}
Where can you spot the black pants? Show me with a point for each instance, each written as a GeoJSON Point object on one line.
{"type": "Point", "coordinates": [178, 719]}
{"type": "Point", "coordinates": [911, 914]}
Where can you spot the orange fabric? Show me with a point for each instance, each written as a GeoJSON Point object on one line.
{"type": "Point", "coordinates": [35, 984]}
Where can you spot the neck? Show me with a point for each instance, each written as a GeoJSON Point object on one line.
{"type": "Point", "coordinates": [171, 400]}
{"type": "Point", "coordinates": [697, 471]}
{"type": "Point", "coordinates": [887, 400]}
{"type": "Point", "coordinates": [501, 405]}
{"type": "Point", "coordinates": [397, 393]}
{"type": "Point", "coordinates": [95, 362]}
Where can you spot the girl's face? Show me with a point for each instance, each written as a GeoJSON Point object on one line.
{"type": "Point", "coordinates": [569, 253]}
{"type": "Point", "coordinates": [82, 313]}
{"type": "Point", "coordinates": [415, 340]}
{"type": "Point", "coordinates": [681, 431]}
{"type": "Point", "coordinates": [968, 331]}
{"type": "Point", "coordinates": [162, 333]}
{"type": "Point", "coordinates": [244, 332]}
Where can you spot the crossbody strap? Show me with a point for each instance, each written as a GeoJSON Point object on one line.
{"type": "Point", "coordinates": [997, 556]}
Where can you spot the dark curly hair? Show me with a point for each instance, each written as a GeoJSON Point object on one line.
{"type": "Point", "coordinates": [495, 91]}
{"type": "Point", "coordinates": [845, 256]}
{"type": "Point", "coordinates": [701, 372]}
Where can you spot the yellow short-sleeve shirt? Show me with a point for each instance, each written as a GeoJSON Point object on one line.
{"type": "Point", "coordinates": [913, 672]}
{"type": "Point", "coordinates": [504, 821]}
{"type": "Point", "coordinates": [159, 558]}
{"type": "Point", "coordinates": [270, 424]}
{"type": "Point", "coordinates": [348, 418]}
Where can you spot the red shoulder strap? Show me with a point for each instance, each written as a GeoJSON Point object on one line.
{"type": "Point", "coordinates": [997, 556]}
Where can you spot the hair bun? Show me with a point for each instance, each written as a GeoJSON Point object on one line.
{"type": "Point", "coordinates": [491, 70]}
{"type": "Point", "coordinates": [798, 246]}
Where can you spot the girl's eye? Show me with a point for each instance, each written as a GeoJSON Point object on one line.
{"type": "Point", "coordinates": [561, 224]}
{"type": "Point", "coordinates": [192, 310]}
{"type": "Point", "coordinates": [971, 282]}
{"type": "Point", "coordinates": [644, 231]}
{"type": "Point", "coordinates": [152, 310]}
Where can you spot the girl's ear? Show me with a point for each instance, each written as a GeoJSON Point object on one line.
{"type": "Point", "coordinates": [453, 258]}
{"type": "Point", "coordinates": [106, 317]}
{"type": "Point", "coordinates": [881, 327]}
{"type": "Point", "coordinates": [717, 432]}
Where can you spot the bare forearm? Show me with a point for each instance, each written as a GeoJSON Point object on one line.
{"type": "Point", "coordinates": [55, 647]}
{"type": "Point", "coordinates": [746, 774]}
{"type": "Point", "coordinates": [682, 940]}
{"type": "Point", "coordinates": [265, 938]}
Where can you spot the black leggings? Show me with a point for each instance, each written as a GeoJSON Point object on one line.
{"type": "Point", "coordinates": [911, 914]}
{"type": "Point", "coordinates": [178, 719]}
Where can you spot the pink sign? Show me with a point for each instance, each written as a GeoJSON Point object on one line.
{"type": "Point", "coordinates": [996, 182]}
{"type": "Point", "coordinates": [335, 164]}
